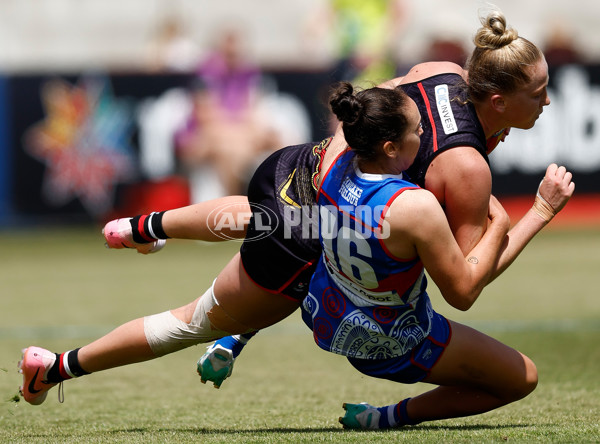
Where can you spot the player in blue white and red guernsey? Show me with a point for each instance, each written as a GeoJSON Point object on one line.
{"type": "Point", "coordinates": [366, 303]}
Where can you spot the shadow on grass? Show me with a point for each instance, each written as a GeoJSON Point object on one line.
{"type": "Point", "coordinates": [207, 431]}
{"type": "Point", "coordinates": [282, 430]}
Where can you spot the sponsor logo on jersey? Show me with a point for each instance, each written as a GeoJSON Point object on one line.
{"type": "Point", "coordinates": [350, 192]}
{"type": "Point", "coordinates": [442, 100]}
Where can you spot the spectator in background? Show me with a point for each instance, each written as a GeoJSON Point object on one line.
{"type": "Point", "coordinates": [172, 49]}
{"type": "Point", "coordinates": [364, 34]}
{"type": "Point", "coordinates": [229, 76]}
{"type": "Point", "coordinates": [228, 131]}
{"type": "Point", "coordinates": [560, 47]}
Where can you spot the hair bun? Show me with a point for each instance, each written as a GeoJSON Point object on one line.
{"type": "Point", "coordinates": [345, 105]}
{"type": "Point", "coordinates": [494, 33]}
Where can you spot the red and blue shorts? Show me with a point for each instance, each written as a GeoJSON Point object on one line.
{"type": "Point", "coordinates": [414, 366]}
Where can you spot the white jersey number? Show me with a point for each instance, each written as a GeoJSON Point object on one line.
{"type": "Point", "coordinates": [342, 241]}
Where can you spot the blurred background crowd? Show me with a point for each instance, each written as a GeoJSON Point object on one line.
{"type": "Point", "coordinates": [117, 107]}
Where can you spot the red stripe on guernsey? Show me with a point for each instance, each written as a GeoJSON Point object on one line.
{"type": "Point", "coordinates": [330, 168]}
{"type": "Point", "coordinates": [431, 121]}
{"type": "Point", "coordinates": [383, 213]}
{"type": "Point", "coordinates": [333, 203]}
{"type": "Point", "coordinates": [61, 368]}
{"type": "Point", "coordinates": [141, 229]}
{"type": "Point", "coordinates": [402, 281]}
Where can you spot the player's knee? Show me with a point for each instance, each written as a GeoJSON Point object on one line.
{"type": "Point", "coordinates": [167, 333]}
{"type": "Point", "coordinates": [525, 383]}
{"type": "Point", "coordinates": [531, 377]}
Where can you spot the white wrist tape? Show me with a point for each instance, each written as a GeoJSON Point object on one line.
{"type": "Point", "coordinates": [542, 208]}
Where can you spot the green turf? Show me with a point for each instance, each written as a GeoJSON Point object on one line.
{"type": "Point", "coordinates": [60, 289]}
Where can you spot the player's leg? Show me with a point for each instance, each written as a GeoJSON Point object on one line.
{"type": "Point", "coordinates": [281, 262]}
{"type": "Point", "coordinates": [127, 344]}
{"type": "Point", "coordinates": [202, 221]}
{"type": "Point", "coordinates": [474, 374]}
{"type": "Point", "coordinates": [216, 364]}
{"type": "Point", "coordinates": [202, 320]}
{"type": "Point", "coordinates": [250, 306]}
{"type": "Point", "coordinates": [233, 305]}
{"type": "Point", "coordinates": [118, 233]}
{"type": "Point", "coordinates": [240, 305]}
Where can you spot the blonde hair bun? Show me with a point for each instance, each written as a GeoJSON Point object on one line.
{"type": "Point", "coordinates": [494, 33]}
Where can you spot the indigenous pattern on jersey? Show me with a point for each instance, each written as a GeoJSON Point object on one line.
{"type": "Point", "coordinates": [363, 302]}
{"type": "Point", "coordinates": [448, 121]}
{"type": "Point", "coordinates": [278, 256]}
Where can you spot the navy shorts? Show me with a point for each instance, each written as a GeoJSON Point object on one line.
{"type": "Point", "coordinates": [275, 254]}
{"type": "Point", "coordinates": [414, 366]}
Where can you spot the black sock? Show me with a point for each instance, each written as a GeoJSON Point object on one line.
{"type": "Point", "coordinates": [66, 366]}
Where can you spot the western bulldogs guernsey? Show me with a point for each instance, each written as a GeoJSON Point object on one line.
{"type": "Point", "coordinates": [363, 302]}
{"type": "Point", "coordinates": [448, 121]}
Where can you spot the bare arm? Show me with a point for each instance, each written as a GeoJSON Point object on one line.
{"type": "Point", "coordinates": [556, 189]}
{"type": "Point", "coordinates": [461, 180]}
{"type": "Point", "coordinates": [421, 228]}
{"type": "Point", "coordinates": [213, 220]}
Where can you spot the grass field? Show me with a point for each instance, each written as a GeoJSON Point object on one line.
{"type": "Point", "coordinates": [61, 289]}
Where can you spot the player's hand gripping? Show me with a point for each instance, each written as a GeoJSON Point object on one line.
{"type": "Point", "coordinates": [554, 192]}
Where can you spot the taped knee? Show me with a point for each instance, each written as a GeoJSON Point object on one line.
{"type": "Point", "coordinates": [167, 334]}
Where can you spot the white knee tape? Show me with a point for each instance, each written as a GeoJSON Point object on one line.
{"type": "Point", "coordinates": [166, 334]}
